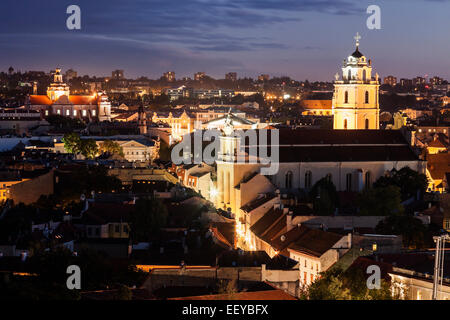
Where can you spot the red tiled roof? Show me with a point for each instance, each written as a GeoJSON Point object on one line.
{"type": "Point", "coordinates": [317, 104]}
{"type": "Point", "coordinates": [438, 165]}
{"type": "Point", "coordinates": [315, 242]}
{"type": "Point", "coordinates": [77, 100]}
{"type": "Point", "coordinates": [83, 100]}
{"type": "Point", "coordinates": [40, 99]}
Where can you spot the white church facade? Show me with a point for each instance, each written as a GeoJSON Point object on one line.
{"type": "Point", "coordinates": [59, 101]}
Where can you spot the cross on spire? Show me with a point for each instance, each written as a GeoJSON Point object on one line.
{"type": "Point", "coordinates": [357, 38]}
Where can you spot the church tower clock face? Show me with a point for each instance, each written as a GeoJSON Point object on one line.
{"type": "Point", "coordinates": [356, 94]}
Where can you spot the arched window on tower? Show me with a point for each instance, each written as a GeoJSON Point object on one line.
{"type": "Point", "coordinates": [308, 179]}
{"type": "Point", "coordinates": [288, 180]}
{"type": "Point", "coordinates": [364, 75]}
{"type": "Point", "coordinates": [346, 97]}
{"type": "Point", "coordinates": [367, 124]}
{"type": "Point", "coordinates": [367, 97]}
{"type": "Point", "coordinates": [345, 124]}
{"type": "Point", "coordinates": [349, 75]}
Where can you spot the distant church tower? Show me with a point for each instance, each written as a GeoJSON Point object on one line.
{"type": "Point", "coordinates": [355, 98]}
{"type": "Point", "coordinates": [142, 120]}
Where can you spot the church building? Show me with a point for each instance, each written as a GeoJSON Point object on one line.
{"type": "Point", "coordinates": [352, 156]}
{"type": "Point", "coordinates": [59, 101]}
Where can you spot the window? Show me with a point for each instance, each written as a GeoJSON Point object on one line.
{"type": "Point", "coordinates": [367, 97]}
{"type": "Point", "coordinates": [97, 231]}
{"type": "Point", "coordinates": [288, 182]}
{"type": "Point", "coordinates": [84, 113]}
{"type": "Point", "coordinates": [364, 76]}
{"type": "Point", "coordinates": [368, 180]}
{"type": "Point", "coordinates": [346, 97]}
{"type": "Point", "coordinates": [67, 112]}
{"type": "Point", "coordinates": [308, 179]}
{"type": "Point", "coordinates": [367, 124]}
{"type": "Point", "coordinates": [74, 113]}
{"type": "Point", "coordinates": [345, 124]}
{"type": "Point", "coordinates": [125, 229]}
{"type": "Point", "coordinates": [93, 113]}
{"type": "Point", "coordinates": [58, 111]}
{"type": "Point", "coordinates": [349, 75]}
{"type": "Point", "coordinates": [349, 181]}
{"type": "Point", "coordinates": [305, 277]}
{"type": "Point", "coordinates": [46, 112]}
{"type": "Point", "coordinates": [312, 278]}
{"type": "Point", "coordinates": [329, 177]}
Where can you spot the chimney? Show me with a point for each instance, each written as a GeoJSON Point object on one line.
{"type": "Point", "coordinates": [289, 225]}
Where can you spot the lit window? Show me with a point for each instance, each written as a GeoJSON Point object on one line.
{"type": "Point", "coordinates": [84, 113]}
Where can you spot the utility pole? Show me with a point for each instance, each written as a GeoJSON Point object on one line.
{"type": "Point", "coordinates": [439, 263]}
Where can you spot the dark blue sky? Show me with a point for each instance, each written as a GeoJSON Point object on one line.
{"type": "Point", "coordinates": [302, 39]}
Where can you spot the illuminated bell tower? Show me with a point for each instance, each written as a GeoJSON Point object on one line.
{"type": "Point", "coordinates": [356, 96]}
{"type": "Point", "coordinates": [58, 88]}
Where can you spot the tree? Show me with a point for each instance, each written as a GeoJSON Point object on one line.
{"type": "Point", "coordinates": [412, 230]}
{"type": "Point", "coordinates": [329, 287]}
{"type": "Point", "coordinates": [111, 147]}
{"type": "Point", "coordinates": [408, 180]}
{"type": "Point", "coordinates": [88, 148]}
{"type": "Point", "coordinates": [324, 196]}
{"type": "Point", "coordinates": [335, 284]}
{"type": "Point", "coordinates": [380, 201]}
{"type": "Point", "coordinates": [149, 216]}
{"type": "Point", "coordinates": [72, 143]}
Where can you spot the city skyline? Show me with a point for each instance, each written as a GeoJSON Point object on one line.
{"type": "Point", "coordinates": [290, 38]}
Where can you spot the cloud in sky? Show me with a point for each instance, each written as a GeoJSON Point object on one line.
{"type": "Point", "coordinates": [146, 37]}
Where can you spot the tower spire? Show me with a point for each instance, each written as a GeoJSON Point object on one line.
{"type": "Point", "coordinates": [357, 38]}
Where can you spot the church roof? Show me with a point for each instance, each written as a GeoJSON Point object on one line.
{"type": "Point", "coordinates": [346, 153]}
{"type": "Point", "coordinates": [289, 137]}
{"type": "Point", "coordinates": [83, 99]}
{"type": "Point", "coordinates": [76, 100]}
{"type": "Point", "coordinates": [357, 54]}
{"type": "Point", "coordinates": [40, 100]}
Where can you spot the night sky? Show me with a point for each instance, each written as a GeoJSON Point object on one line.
{"type": "Point", "coordinates": [302, 39]}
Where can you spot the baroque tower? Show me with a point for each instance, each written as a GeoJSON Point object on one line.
{"type": "Point", "coordinates": [356, 95]}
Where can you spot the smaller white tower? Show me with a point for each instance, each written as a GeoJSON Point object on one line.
{"type": "Point", "coordinates": [104, 107]}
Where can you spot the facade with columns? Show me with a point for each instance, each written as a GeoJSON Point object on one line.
{"type": "Point", "coordinates": [59, 101]}
{"type": "Point", "coordinates": [356, 94]}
